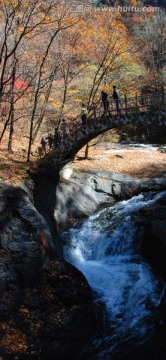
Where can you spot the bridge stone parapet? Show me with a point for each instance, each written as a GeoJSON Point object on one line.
{"type": "Point", "coordinates": [65, 152]}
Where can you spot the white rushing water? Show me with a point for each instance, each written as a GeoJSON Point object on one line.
{"type": "Point", "coordinates": [106, 250]}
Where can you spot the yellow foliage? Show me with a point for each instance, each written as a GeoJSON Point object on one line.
{"type": "Point", "coordinates": [133, 2]}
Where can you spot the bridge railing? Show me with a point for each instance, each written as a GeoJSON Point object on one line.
{"type": "Point", "coordinates": [131, 105]}
{"type": "Point", "coordinates": [144, 103]}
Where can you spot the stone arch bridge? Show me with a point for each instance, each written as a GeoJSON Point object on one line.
{"type": "Point", "coordinates": [56, 159]}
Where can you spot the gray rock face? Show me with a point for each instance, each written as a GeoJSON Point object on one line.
{"type": "Point", "coordinates": [21, 248]}
{"type": "Point", "coordinates": [76, 200]}
{"type": "Point", "coordinates": [84, 193]}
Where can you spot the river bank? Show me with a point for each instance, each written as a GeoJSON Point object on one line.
{"type": "Point", "coordinates": [136, 160]}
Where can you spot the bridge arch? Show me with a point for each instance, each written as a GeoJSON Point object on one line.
{"type": "Point", "coordinates": [56, 159]}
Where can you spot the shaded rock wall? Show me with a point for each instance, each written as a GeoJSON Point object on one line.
{"type": "Point", "coordinates": [45, 313]}
{"type": "Point", "coordinates": [20, 247]}
{"type": "Point", "coordinates": [153, 218]}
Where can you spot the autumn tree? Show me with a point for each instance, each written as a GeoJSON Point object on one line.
{"type": "Point", "coordinates": [151, 36]}
{"type": "Point", "coordinates": [70, 66]}
{"type": "Point", "coordinates": [18, 20]}
{"type": "Point", "coordinates": [59, 21]}
{"type": "Point", "coordinates": [106, 48]}
{"type": "Point", "coordinates": [23, 25]}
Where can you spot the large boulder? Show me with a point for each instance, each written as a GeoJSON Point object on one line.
{"type": "Point", "coordinates": [86, 192]}
{"type": "Point", "coordinates": [24, 239]}
{"type": "Point", "coordinates": [153, 218]}
{"type": "Point", "coordinates": [46, 307]}
{"type": "Point", "coordinates": [52, 319]}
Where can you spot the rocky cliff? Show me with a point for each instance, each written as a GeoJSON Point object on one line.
{"type": "Point", "coordinates": [43, 304]}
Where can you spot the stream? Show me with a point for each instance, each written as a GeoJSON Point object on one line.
{"type": "Point", "coordinates": [106, 249]}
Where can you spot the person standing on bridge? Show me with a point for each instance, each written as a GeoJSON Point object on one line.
{"type": "Point", "coordinates": [65, 129]}
{"type": "Point", "coordinates": [84, 114]}
{"type": "Point", "coordinates": [105, 101]}
{"type": "Point", "coordinates": [116, 97]}
{"type": "Point", "coordinates": [57, 137]}
{"type": "Point", "coordinates": [50, 141]}
{"type": "Point", "coordinates": [43, 144]}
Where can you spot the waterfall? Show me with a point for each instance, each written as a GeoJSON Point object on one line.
{"type": "Point", "coordinates": [105, 248]}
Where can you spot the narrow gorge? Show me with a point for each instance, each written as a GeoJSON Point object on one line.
{"type": "Point", "coordinates": [50, 307]}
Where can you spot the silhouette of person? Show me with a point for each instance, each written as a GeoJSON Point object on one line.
{"type": "Point", "coordinates": [116, 97]}
{"type": "Point", "coordinates": [84, 114]}
{"type": "Point", "coordinates": [50, 141]}
{"type": "Point", "coordinates": [43, 144]}
{"type": "Point", "coordinates": [65, 128]}
{"type": "Point", "coordinates": [57, 137]}
{"type": "Point", "coordinates": [105, 101]}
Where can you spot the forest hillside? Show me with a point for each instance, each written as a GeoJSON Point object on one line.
{"type": "Point", "coordinates": [54, 57]}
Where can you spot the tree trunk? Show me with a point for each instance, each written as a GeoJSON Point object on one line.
{"type": "Point", "coordinates": [11, 131]}
{"type": "Point", "coordinates": [31, 129]}
{"type": "Point", "coordinates": [5, 127]}
{"type": "Point", "coordinates": [86, 151]}
{"type": "Point", "coordinates": [39, 122]}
